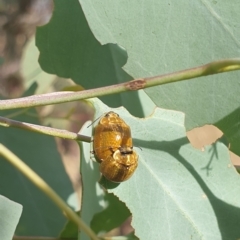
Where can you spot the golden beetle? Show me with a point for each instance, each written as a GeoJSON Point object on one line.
{"type": "Point", "coordinates": [112, 146]}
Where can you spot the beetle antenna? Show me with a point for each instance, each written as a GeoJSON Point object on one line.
{"type": "Point", "coordinates": [93, 122]}
{"type": "Point", "coordinates": [138, 147]}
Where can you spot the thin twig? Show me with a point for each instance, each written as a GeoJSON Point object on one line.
{"type": "Point", "coordinates": [5, 122]}
{"type": "Point", "coordinates": [44, 187]}
{"type": "Point", "coordinates": [60, 97]}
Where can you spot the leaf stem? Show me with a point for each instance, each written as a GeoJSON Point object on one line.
{"type": "Point", "coordinates": [5, 122]}
{"type": "Point", "coordinates": [60, 97]}
{"type": "Point", "coordinates": [43, 186]}
{"type": "Point", "coordinates": [211, 68]}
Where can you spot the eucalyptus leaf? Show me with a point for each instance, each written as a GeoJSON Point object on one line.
{"type": "Point", "coordinates": [112, 216]}
{"type": "Point", "coordinates": [10, 213]}
{"type": "Point", "coordinates": [69, 49]}
{"type": "Point", "coordinates": [40, 153]}
{"type": "Point", "coordinates": [32, 71]}
{"type": "Point", "coordinates": [177, 191]}
{"type": "Point", "coordinates": [70, 231]}
{"type": "Point", "coordinates": [165, 36]}
{"type": "Point", "coordinates": [92, 194]}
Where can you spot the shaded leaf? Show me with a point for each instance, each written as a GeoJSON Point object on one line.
{"type": "Point", "coordinates": [31, 70]}
{"type": "Point", "coordinates": [40, 153]}
{"type": "Point", "coordinates": [69, 49]}
{"type": "Point", "coordinates": [70, 231]}
{"type": "Point", "coordinates": [161, 37]}
{"type": "Point", "coordinates": [112, 216]}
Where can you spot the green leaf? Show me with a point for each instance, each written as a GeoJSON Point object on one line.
{"type": "Point", "coordinates": [70, 231]}
{"type": "Point", "coordinates": [10, 213]}
{"type": "Point", "coordinates": [161, 37]}
{"type": "Point", "coordinates": [31, 70]}
{"type": "Point", "coordinates": [69, 49]}
{"type": "Point", "coordinates": [40, 153]}
{"type": "Point", "coordinates": [92, 193]}
{"type": "Point", "coordinates": [111, 217]}
{"type": "Point", "coordinates": [177, 191]}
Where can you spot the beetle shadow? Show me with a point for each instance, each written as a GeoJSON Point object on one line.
{"type": "Point", "coordinates": [227, 215]}
{"type": "Point", "coordinates": [107, 184]}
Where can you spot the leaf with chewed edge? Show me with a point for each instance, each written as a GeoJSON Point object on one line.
{"type": "Point", "coordinates": [165, 36]}
{"type": "Point", "coordinates": [177, 191]}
